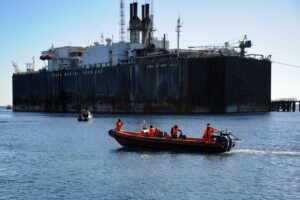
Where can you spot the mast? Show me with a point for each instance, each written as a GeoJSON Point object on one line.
{"type": "Point", "coordinates": [122, 21]}
{"type": "Point", "coordinates": [152, 20]}
{"type": "Point", "coordinates": [178, 30]}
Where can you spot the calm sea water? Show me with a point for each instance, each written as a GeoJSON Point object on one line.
{"type": "Point", "coordinates": [52, 156]}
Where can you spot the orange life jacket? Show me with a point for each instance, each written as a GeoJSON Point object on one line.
{"type": "Point", "coordinates": [174, 131]}
{"type": "Point", "coordinates": [209, 131]}
{"type": "Point", "coordinates": [119, 126]}
{"type": "Point", "coordinates": [152, 132]}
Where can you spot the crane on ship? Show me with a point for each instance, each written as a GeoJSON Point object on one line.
{"type": "Point", "coordinates": [242, 45]}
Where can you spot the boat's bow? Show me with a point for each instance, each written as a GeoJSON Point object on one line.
{"type": "Point", "coordinates": [112, 133]}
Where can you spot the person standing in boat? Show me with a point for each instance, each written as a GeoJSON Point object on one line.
{"type": "Point", "coordinates": [208, 133]}
{"type": "Point", "coordinates": [174, 132]}
{"type": "Point", "coordinates": [119, 125]}
{"type": "Point", "coordinates": [152, 131]}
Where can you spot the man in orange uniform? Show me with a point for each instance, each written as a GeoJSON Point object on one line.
{"type": "Point", "coordinates": [152, 131]}
{"type": "Point", "coordinates": [209, 131]}
{"type": "Point", "coordinates": [119, 125]}
{"type": "Point", "coordinates": [174, 131]}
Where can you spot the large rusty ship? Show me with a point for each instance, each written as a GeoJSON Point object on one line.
{"type": "Point", "coordinates": [144, 75]}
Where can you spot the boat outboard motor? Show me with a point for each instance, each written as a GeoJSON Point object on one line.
{"type": "Point", "coordinates": [226, 140]}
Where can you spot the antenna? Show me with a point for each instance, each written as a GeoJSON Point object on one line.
{"type": "Point", "coordinates": [102, 39]}
{"type": "Point", "coordinates": [33, 63]}
{"type": "Point", "coordinates": [152, 18]}
{"type": "Point", "coordinates": [122, 21]}
{"type": "Point", "coordinates": [178, 30]}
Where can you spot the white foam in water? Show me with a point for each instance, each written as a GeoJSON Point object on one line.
{"type": "Point", "coordinates": [264, 152]}
{"type": "Point", "coordinates": [145, 156]}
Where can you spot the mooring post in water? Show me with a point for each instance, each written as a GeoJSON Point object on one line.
{"type": "Point", "coordinates": [289, 106]}
{"type": "Point", "coordinates": [283, 106]}
{"type": "Point", "coordinates": [294, 106]}
{"type": "Point", "coordinates": [277, 106]}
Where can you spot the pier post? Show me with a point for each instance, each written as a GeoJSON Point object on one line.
{"type": "Point", "coordinates": [283, 106]}
{"type": "Point", "coordinates": [294, 106]}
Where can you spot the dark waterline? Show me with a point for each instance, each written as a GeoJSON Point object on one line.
{"type": "Point", "coordinates": [52, 156]}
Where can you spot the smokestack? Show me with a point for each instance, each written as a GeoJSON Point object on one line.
{"type": "Point", "coordinates": [131, 10]}
{"type": "Point", "coordinates": [143, 12]}
{"type": "Point", "coordinates": [147, 11]}
{"type": "Point", "coordinates": [134, 24]}
{"type": "Point", "coordinates": [135, 9]}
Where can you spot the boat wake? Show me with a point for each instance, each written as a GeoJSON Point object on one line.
{"type": "Point", "coordinates": [145, 156]}
{"type": "Point", "coordinates": [266, 152]}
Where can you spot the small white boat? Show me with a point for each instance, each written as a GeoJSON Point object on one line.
{"type": "Point", "coordinates": [85, 116]}
{"type": "Point", "coordinates": [8, 107]}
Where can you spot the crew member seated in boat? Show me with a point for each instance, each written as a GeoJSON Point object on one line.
{"type": "Point", "coordinates": [208, 133]}
{"type": "Point", "coordinates": [119, 125]}
{"type": "Point", "coordinates": [174, 132]}
{"type": "Point", "coordinates": [152, 131]}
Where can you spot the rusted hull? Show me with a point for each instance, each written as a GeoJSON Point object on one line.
{"type": "Point", "coordinates": [191, 85]}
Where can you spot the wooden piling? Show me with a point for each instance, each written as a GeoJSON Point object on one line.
{"type": "Point", "coordinates": [294, 106]}
{"type": "Point", "coordinates": [284, 105]}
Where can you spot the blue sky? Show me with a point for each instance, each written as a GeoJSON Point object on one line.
{"type": "Point", "coordinates": [31, 26]}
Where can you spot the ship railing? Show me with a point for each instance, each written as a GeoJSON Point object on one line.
{"type": "Point", "coordinates": [258, 56]}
